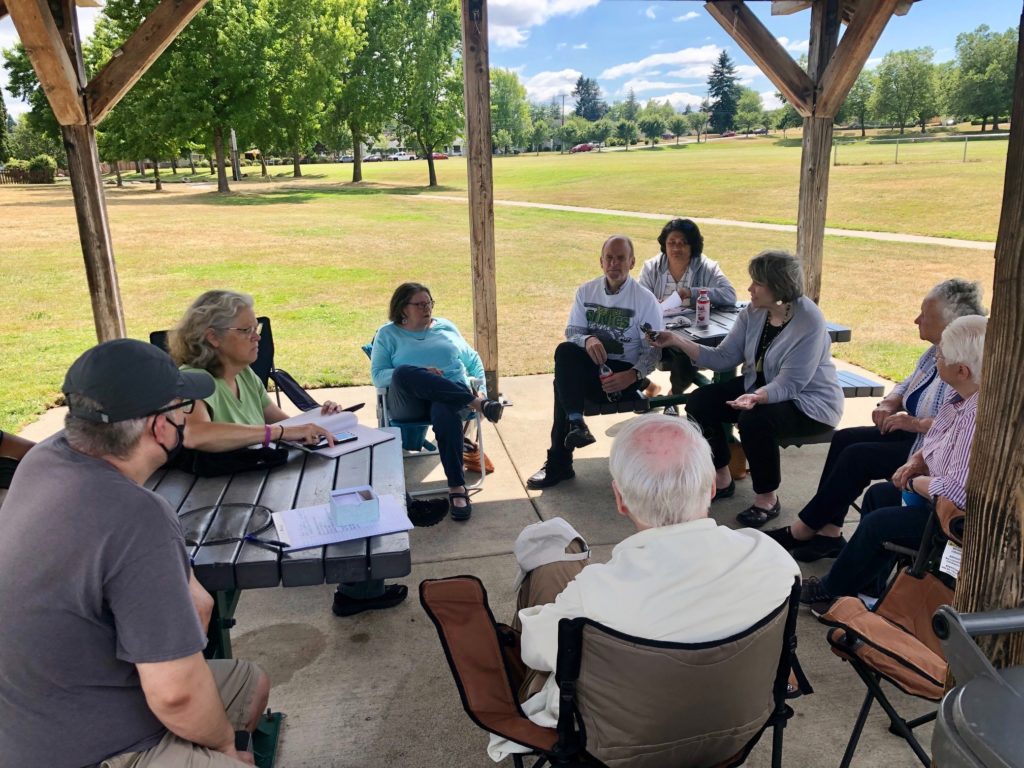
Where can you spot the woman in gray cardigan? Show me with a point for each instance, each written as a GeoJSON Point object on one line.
{"type": "Point", "coordinates": [788, 386]}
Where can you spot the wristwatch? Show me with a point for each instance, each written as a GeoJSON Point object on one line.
{"type": "Point", "coordinates": [639, 376]}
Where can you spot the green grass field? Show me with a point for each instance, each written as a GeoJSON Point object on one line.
{"type": "Point", "coordinates": [322, 256]}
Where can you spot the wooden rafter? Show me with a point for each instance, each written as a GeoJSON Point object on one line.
{"type": "Point", "coordinates": [42, 41]}
{"type": "Point", "coordinates": [138, 53]}
{"type": "Point", "coordinates": [854, 49]}
{"type": "Point", "coordinates": [3, 9]}
{"type": "Point", "coordinates": [765, 51]}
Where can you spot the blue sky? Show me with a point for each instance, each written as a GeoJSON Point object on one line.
{"type": "Point", "coordinates": [663, 50]}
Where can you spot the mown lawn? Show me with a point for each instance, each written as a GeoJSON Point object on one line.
{"type": "Point", "coordinates": [322, 256]}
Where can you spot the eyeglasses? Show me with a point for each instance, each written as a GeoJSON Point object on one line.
{"type": "Point", "coordinates": [186, 407]}
{"type": "Point", "coordinates": [252, 330]}
{"type": "Point", "coordinates": [422, 304]}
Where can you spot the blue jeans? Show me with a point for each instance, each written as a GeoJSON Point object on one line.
{"type": "Point", "coordinates": [416, 394]}
{"type": "Point", "coordinates": [863, 565]}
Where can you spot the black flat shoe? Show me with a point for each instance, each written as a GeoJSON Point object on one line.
{"type": "Point", "coordinates": [755, 517]}
{"type": "Point", "coordinates": [784, 537]}
{"type": "Point", "coordinates": [460, 513]}
{"type": "Point", "coordinates": [350, 606]}
{"type": "Point", "coordinates": [818, 548]}
{"type": "Point", "coordinates": [549, 475]}
{"type": "Point", "coordinates": [725, 493]}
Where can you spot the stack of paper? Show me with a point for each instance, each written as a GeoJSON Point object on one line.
{"type": "Point", "coordinates": [308, 527]}
{"type": "Point", "coordinates": [334, 423]}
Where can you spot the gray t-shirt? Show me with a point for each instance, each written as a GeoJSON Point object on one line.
{"type": "Point", "coordinates": [93, 579]}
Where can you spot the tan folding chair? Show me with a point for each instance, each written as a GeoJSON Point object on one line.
{"type": "Point", "coordinates": [895, 640]}
{"type": "Point", "coordinates": [624, 701]}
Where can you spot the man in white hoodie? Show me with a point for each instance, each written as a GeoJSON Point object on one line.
{"type": "Point", "coordinates": [680, 578]}
{"type": "Point", "coordinates": [604, 328]}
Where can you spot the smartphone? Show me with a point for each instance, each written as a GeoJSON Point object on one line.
{"type": "Point", "coordinates": [243, 741]}
{"type": "Point", "coordinates": [339, 437]}
{"type": "Point", "coordinates": [649, 332]}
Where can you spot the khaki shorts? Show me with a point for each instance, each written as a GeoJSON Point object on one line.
{"type": "Point", "coordinates": [236, 680]}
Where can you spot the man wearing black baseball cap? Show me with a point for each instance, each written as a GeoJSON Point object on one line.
{"type": "Point", "coordinates": [104, 623]}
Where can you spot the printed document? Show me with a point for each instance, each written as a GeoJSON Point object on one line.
{"type": "Point", "coordinates": [309, 527]}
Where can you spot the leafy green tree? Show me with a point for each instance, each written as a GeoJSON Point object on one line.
{"type": "Point", "coordinates": [601, 131]}
{"type": "Point", "coordinates": [983, 84]}
{"type": "Point", "coordinates": [698, 120]}
{"type": "Point", "coordinates": [905, 91]}
{"type": "Point", "coordinates": [510, 111]}
{"type": "Point", "coordinates": [627, 131]}
{"type": "Point", "coordinates": [23, 84]}
{"type": "Point", "coordinates": [540, 132]}
{"type": "Point", "coordinates": [679, 125]}
{"type": "Point", "coordinates": [651, 125]}
{"type": "Point", "coordinates": [24, 142]}
{"type": "Point", "coordinates": [589, 105]}
{"type": "Point", "coordinates": [630, 107]}
{"type": "Point", "coordinates": [5, 151]}
{"type": "Point", "coordinates": [724, 92]}
{"type": "Point", "coordinates": [857, 106]}
{"type": "Point", "coordinates": [749, 110]}
{"type": "Point", "coordinates": [430, 102]}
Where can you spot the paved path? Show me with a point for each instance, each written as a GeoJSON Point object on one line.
{"type": "Point", "coordinates": [892, 237]}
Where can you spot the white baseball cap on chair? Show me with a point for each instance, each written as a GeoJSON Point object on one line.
{"type": "Point", "coordinates": [544, 543]}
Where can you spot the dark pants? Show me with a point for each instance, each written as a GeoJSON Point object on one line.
{"type": "Point", "coordinates": [759, 429]}
{"type": "Point", "coordinates": [681, 371]}
{"type": "Point", "coordinates": [864, 565]}
{"type": "Point", "coordinates": [856, 457]}
{"type": "Point", "coordinates": [416, 394]}
{"type": "Point", "coordinates": [576, 379]}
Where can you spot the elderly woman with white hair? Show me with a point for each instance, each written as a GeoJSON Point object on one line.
{"type": "Point", "coordinates": [788, 387]}
{"type": "Point", "coordinates": [939, 468]}
{"type": "Point", "coordinates": [860, 455]}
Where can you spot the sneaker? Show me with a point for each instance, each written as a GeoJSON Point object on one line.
{"type": "Point", "coordinates": [492, 410]}
{"type": "Point", "coordinates": [549, 475]}
{"type": "Point", "coordinates": [671, 410]}
{"type": "Point", "coordinates": [350, 606]}
{"type": "Point", "coordinates": [424, 513]}
{"type": "Point", "coordinates": [813, 591]}
{"type": "Point", "coordinates": [817, 548]}
{"type": "Point", "coordinates": [579, 435]}
{"type": "Point", "coordinates": [784, 537]}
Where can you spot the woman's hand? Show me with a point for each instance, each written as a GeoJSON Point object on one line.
{"type": "Point", "coordinates": [685, 294]}
{"type": "Point", "coordinates": [914, 467]}
{"type": "Point", "coordinates": [898, 421]}
{"type": "Point", "coordinates": [883, 411]}
{"type": "Point", "coordinates": [746, 402]}
{"type": "Point", "coordinates": [307, 434]}
{"type": "Point", "coordinates": [666, 340]}
{"type": "Point", "coordinates": [595, 349]}
{"type": "Point", "coordinates": [435, 371]}
{"type": "Point", "coordinates": [329, 407]}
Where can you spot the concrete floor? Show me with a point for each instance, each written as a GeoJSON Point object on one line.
{"type": "Point", "coordinates": [375, 690]}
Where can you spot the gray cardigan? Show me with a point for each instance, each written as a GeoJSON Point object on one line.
{"type": "Point", "coordinates": [798, 365]}
{"type": "Point", "coordinates": [704, 273]}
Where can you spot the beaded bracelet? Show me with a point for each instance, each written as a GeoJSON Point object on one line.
{"type": "Point", "coordinates": [266, 435]}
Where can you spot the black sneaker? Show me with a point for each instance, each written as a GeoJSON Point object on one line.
{"type": "Point", "coordinates": [549, 475]}
{"type": "Point", "coordinates": [784, 537]}
{"type": "Point", "coordinates": [350, 606]}
{"type": "Point", "coordinates": [818, 548]}
{"type": "Point", "coordinates": [492, 410]}
{"type": "Point", "coordinates": [813, 591]}
{"type": "Point", "coordinates": [579, 435]}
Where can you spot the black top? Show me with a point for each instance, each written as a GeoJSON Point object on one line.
{"type": "Point", "coordinates": [768, 334]}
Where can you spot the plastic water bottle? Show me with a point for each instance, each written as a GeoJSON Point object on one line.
{"type": "Point", "coordinates": [703, 308]}
{"type": "Point", "coordinates": [603, 372]}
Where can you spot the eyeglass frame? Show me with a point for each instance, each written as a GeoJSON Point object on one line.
{"type": "Point", "coordinates": [186, 406]}
{"type": "Point", "coordinates": [252, 330]}
{"type": "Point", "coordinates": [423, 305]}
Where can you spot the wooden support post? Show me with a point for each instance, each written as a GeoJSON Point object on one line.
{"type": "Point", "coordinates": [817, 145]}
{"type": "Point", "coordinates": [476, 72]}
{"type": "Point", "coordinates": [992, 571]}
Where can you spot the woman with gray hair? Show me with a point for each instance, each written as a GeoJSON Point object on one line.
{"type": "Point", "coordinates": [788, 385]}
{"type": "Point", "coordinates": [860, 455]}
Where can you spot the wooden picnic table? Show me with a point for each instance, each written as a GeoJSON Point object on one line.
{"type": "Point", "coordinates": [723, 318]}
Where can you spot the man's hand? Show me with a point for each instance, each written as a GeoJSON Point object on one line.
{"type": "Point", "coordinates": [595, 349]}
{"type": "Point", "coordinates": [619, 381]}
{"type": "Point", "coordinates": [882, 411]}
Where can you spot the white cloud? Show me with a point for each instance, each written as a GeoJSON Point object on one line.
{"type": "Point", "coordinates": [794, 46]}
{"type": "Point", "coordinates": [639, 85]}
{"type": "Point", "coordinates": [873, 62]}
{"type": "Point", "coordinates": [580, 47]}
{"type": "Point", "coordinates": [680, 99]}
{"type": "Point", "coordinates": [769, 100]}
{"type": "Point", "coordinates": [561, 46]}
{"type": "Point", "coordinates": [651, 12]}
{"type": "Point", "coordinates": [509, 21]}
{"type": "Point", "coordinates": [688, 16]}
{"type": "Point", "coordinates": [544, 86]}
{"type": "Point", "coordinates": [704, 55]}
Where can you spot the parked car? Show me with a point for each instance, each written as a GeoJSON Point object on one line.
{"type": "Point", "coordinates": [728, 134]}
{"type": "Point", "coordinates": [347, 159]}
{"type": "Point", "coordinates": [403, 156]}
{"type": "Point", "coordinates": [581, 148]}
{"type": "Point", "coordinates": [760, 131]}
{"type": "Point", "coordinates": [373, 159]}
{"type": "Point", "coordinates": [440, 156]}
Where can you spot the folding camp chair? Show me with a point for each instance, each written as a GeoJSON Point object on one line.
{"type": "Point", "coordinates": [624, 701]}
{"type": "Point", "coordinates": [263, 367]}
{"type": "Point", "coordinates": [895, 640]}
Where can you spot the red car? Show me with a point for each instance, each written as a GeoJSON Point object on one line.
{"type": "Point", "coordinates": [728, 134]}
{"type": "Point", "coordinates": [440, 156]}
{"type": "Point", "coordinates": [581, 148]}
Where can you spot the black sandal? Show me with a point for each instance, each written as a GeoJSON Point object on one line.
{"type": "Point", "coordinates": [460, 513]}
{"type": "Point", "coordinates": [755, 517]}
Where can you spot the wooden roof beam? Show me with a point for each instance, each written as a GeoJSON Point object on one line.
{"type": "Point", "coordinates": [852, 54]}
{"type": "Point", "coordinates": [761, 46]}
{"type": "Point", "coordinates": [137, 54]}
{"type": "Point", "coordinates": [3, 9]}
{"type": "Point", "coordinates": [45, 48]}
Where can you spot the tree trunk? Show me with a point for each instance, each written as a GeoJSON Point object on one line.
{"type": "Point", "coordinates": [991, 577]}
{"type": "Point", "coordinates": [995, 123]}
{"type": "Point", "coordinates": [218, 150]}
{"type": "Point", "coordinates": [191, 163]}
{"type": "Point", "coordinates": [863, 128]}
{"type": "Point", "coordinates": [174, 166]}
{"type": "Point", "coordinates": [117, 173]}
{"type": "Point", "coordinates": [140, 168]}
{"type": "Point", "coordinates": [431, 173]}
{"type": "Point", "coordinates": [156, 176]}
{"type": "Point", "coordinates": [263, 166]}
{"type": "Point", "coordinates": [296, 164]}
{"type": "Point", "coordinates": [357, 153]}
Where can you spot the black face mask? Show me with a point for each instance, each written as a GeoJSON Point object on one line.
{"type": "Point", "coordinates": [178, 444]}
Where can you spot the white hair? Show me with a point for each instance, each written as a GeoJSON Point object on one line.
{"type": "Point", "coordinates": [663, 469]}
{"type": "Point", "coordinates": [963, 343]}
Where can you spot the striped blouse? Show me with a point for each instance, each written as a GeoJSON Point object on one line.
{"type": "Point", "coordinates": [947, 448]}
